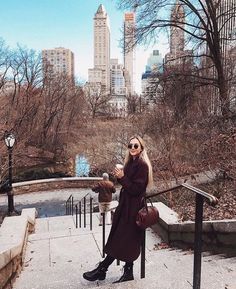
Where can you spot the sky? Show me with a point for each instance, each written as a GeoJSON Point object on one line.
{"type": "Point", "coordinates": [47, 24]}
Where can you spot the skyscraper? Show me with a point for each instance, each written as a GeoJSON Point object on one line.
{"type": "Point", "coordinates": [178, 55]}
{"type": "Point", "coordinates": [177, 34]}
{"type": "Point", "coordinates": [226, 24]}
{"type": "Point", "coordinates": [118, 101]}
{"type": "Point", "coordinates": [129, 51]}
{"type": "Point", "coordinates": [58, 61]}
{"type": "Point", "coordinates": [155, 61]}
{"type": "Point", "coordinates": [226, 15]}
{"type": "Point", "coordinates": [117, 78]}
{"type": "Point", "coordinates": [150, 87]}
{"type": "Point", "coordinates": [101, 71]}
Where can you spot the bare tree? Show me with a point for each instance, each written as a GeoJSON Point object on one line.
{"type": "Point", "coordinates": [97, 99]}
{"type": "Point", "coordinates": [43, 111]}
{"type": "Point", "coordinates": [205, 24]}
{"type": "Point", "coordinates": [4, 63]}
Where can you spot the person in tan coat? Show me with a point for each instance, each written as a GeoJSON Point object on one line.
{"type": "Point", "coordinates": [105, 189]}
{"type": "Point", "coordinates": [125, 236]}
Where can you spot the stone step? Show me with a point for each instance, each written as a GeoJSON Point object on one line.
{"type": "Point", "coordinates": [163, 271]}
{"type": "Point", "coordinates": [57, 254]}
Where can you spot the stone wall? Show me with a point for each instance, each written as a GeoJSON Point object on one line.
{"type": "Point", "coordinates": [13, 237]}
{"type": "Point", "coordinates": [53, 184]}
{"type": "Point", "coordinates": [217, 235]}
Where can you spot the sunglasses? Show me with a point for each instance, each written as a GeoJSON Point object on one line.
{"type": "Point", "coordinates": [135, 146]}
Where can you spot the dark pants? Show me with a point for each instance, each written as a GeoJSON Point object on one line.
{"type": "Point", "coordinates": [109, 260]}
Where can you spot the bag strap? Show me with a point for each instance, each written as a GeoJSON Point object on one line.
{"type": "Point", "coordinates": [144, 202]}
{"type": "Point", "coordinates": [150, 201]}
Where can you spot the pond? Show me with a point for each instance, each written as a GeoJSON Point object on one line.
{"type": "Point", "coordinates": [48, 204]}
{"type": "Point", "coordinates": [82, 166]}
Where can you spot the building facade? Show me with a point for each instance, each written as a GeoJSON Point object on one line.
{"type": "Point", "coordinates": [118, 101]}
{"type": "Point", "coordinates": [129, 51]}
{"type": "Point", "coordinates": [151, 90]}
{"type": "Point", "coordinates": [100, 73]}
{"type": "Point", "coordinates": [226, 16]}
{"type": "Point", "coordinates": [58, 61]}
{"type": "Point", "coordinates": [178, 55]}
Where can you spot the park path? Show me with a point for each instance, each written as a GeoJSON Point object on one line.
{"type": "Point", "coordinates": [57, 254]}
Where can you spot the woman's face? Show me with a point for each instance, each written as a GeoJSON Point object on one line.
{"type": "Point", "coordinates": [134, 147]}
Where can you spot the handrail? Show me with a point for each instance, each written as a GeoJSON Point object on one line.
{"type": "Point", "coordinates": [209, 198]}
{"type": "Point", "coordinates": [200, 197]}
{"type": "Point", "coordinates": [69, 205]}
{"type": "Point", "coordinates": [82, 198]}
{"type": "Point", "coordinates": [78, 211]}
{"type": "Point", "coordinates": [213, 201]}
{"type": "Point", "coordinates": [70, 209]}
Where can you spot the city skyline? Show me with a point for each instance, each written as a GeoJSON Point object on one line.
{"type": "Point", "coordinates": [43, 25]}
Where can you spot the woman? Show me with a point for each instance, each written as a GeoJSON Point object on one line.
{"type": "Point", "coordinates": [124, 240]}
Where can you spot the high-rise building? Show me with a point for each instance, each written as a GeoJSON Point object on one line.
{"type": "Point", "coordinates": [129, 51]}
{"type": "Point", "coordinates": [177, 34]}
{"type": "Point", "coordinates": [178, 55]}
{"type": "Point", "coordinates": [155, 61]}
{"type": "Point", "coordinates": [226, 17]}
{"type": "Point", "coordinates": [117, 78]}
{"type": "Point", "coordinates": [58, 61]}
{"type": "Point", "coordinates": [101, 71]}
{"type": "Point", "coordinates": [118, 101]}
{"type": "Point", "coordinates": [150, 88]}
{"type": "Point", "coordinates": [226, 14]}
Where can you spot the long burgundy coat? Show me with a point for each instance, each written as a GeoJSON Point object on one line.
{"type": "Point", "coordinates": [125, 236]}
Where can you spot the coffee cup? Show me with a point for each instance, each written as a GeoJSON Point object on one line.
{"type": "Point", "coordinates": [119, 166]}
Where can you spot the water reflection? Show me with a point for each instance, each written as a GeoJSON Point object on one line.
{"type": "Point", "coordinates": [82, 166]}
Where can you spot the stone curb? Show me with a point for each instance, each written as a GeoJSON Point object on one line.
{"type": "Point", "coordinates": [218, 235]}
{"type": "Point", "coordinates": [13, 237]}
{"type": "Point", "coordinates": [54, 184]}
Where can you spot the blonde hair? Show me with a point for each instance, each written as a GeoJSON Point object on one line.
{"type": "Point", "coordinates": [143, 155]}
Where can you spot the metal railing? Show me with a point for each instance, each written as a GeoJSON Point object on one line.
{"type": "Point", "coordinates": [70, 205]}
{"type": "Point", "coordinates": [200, 197]}
{"type": "Point", "coordinates": [78, 211]}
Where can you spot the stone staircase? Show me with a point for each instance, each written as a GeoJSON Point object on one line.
{"type": "Point", "coordinates": [57, 254]}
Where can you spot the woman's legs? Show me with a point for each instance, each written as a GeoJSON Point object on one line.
{"type": "Point", "coordinates": [99, 273]}
{"type": "Point", "coordinates": [107, 261]}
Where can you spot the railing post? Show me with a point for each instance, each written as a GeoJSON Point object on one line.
{"type": "Point", "coordinates": [84, 212]}
{"type": "Point", "coordinates": [80, 211]}
{"type": "Point", "coordinates": [69, 211]}
{"type": "Point", "coordinates": [143, 246]}
{"type": "Point", "coordinates": [103, 234]}
{"type": "Point", "coordinates": [198, 242]}
{"type": "Point", "coordinates": [76, 216]}
{"type": "Point", "coordinates": [72, 204]}
{"type": "Point", "coordinates": [91, 213]}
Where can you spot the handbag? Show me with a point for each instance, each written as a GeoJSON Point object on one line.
{"type": "Point", "coordinates": [147, 215]}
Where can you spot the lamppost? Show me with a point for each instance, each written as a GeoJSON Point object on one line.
{"type": "Point", "coordinates": [10, 141]}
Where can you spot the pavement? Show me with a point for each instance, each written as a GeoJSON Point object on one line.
{"type": "Point", "coordinates": [57, 254]}
{"type": "Point", "coordinates": [49, 203]}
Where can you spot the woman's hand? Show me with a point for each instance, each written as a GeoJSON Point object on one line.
{"type": "Point", "coordinates": [119, 173]}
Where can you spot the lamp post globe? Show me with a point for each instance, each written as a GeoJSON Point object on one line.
{"type": "Point", "coordinates": [9, 138]}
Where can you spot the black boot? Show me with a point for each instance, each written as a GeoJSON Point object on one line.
{"type": "Point", "coordinates": [97, 274]}
{"type": "Point", "coordinates": [127, 275]}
